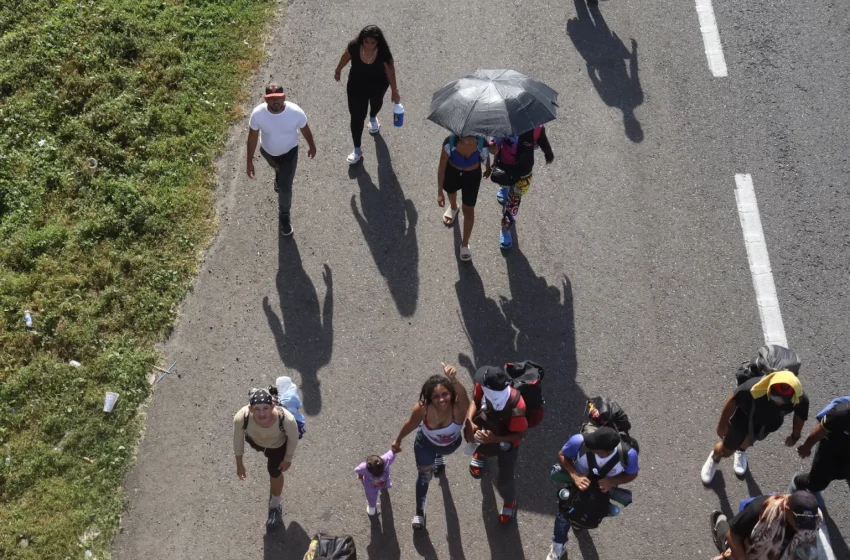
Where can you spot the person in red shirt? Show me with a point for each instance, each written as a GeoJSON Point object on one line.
{"type": "Point", "coordinates": [497, 423]}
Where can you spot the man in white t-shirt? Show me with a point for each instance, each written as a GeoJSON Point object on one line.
{"type": "Point", "coordinates": [275, 124]}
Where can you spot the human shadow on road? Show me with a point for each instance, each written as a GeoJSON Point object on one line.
{"type": "Point", "coordinates": [718, 486]}
{"type": "Point", "coordinates": [605, 56]}
{"type": "Point", "coordinates": [504, 539]}
{"type": "Point", "coordinates": [291, 544]}
{"type": "Point", "coordinates": [535, 323]}
{"type": "Point", "coordinates": [453, 537]}
{"type": "Point", "coordinates": [586, 545]}
{"type": "Point", "coordinates": [388, 222]}
{"type": "Point", "coordinates": [752, 486]}
{"type": "Point", "coordinates": [423, 545]}
{"type": "Point", "coordinates": [836, 539]}
{"type": "Point", "coordinates": [383, 543]}
{"type": "Point", "coordinates": [304, 336]}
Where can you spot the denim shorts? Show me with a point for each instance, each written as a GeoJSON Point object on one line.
{"type": "Point", "coordinates": [426, 452]}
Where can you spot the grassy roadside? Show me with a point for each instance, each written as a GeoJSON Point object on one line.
{"type": "Point", "coordinates": [111, 113]}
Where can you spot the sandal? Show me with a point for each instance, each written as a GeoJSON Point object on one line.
{"type": "Point", "coordinates": [450, 216]}
{"type": "Point", "coordinates": [374, 128]}
{"type": "Point", "coordinates": [465, 254]}
{"type": "Point", "coordinates": [508, 512]}
{"type": "Point", "coordinates": [476, 466]}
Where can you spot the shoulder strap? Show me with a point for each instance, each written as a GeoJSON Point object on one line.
{"type": "Point", "coordinates": [623, 453]}
{"type": "Point", "coordinates": [245, 421]}
{"type": "Point", "coordinates": [281, 418]}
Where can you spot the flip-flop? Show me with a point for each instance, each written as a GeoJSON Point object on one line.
{"type": "Point", "coordinates": [465, 254]}
{"type": "Point", "coordinates": [451, 215]}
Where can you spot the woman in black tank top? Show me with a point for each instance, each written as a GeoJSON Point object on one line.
{"type": "Point", "coordinates": [372, 73]}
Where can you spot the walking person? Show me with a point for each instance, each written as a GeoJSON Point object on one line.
{"type": "Point", "coordinates": [374, 473]}
{"type": "Point", "coordinates": [273, 431]}
{"type": "Point", "coordinates": [514, 164]}
{"type": "Point", "coordinates": [756, 409]}
{"type": "Point", "coordinates": [832, 458]}
{"type": "Point", "coordinates": [460, 170]}
{"type": "Point", "coordinates": [780, 527]}
{"type": "Point", "coordinates": [497, 422]}
{"type": "Point", "coordinates": [438, 416]}
{"type": "Point", "coordinates": [597, 462]}
{"type": "Point", "coordinates": [372, 73]}
{"type": "Point", "coordinates": [275, 124]}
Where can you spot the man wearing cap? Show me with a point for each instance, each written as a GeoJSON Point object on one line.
{"type": "Point", "coordinates": [599, 458]}
{"type": "Point", "coordinates": [756, 409]}
{"type": "Point", "coordinates": [273, 431]}
{"type": "Point", "coordinates": [275, 124]}
{"type": "Point", "coordinates": [832, 458]}
{"type": "Point", "coordinates": [497, 421]}
{"type": "Point", "coordinates": [780, 527]}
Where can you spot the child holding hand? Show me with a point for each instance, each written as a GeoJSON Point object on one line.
{"type": "Point", "coordinates": [374, 473]}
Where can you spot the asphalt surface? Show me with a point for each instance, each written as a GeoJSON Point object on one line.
{"type": "Point", "coordinates": [629, 277]}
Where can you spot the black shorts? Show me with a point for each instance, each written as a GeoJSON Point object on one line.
{"type": "Point", "coordinates": [275, 456]}
{"type": "Point", "coordinates": [466, 181]}
{"type": "Point", "coordinates": [739, 427]}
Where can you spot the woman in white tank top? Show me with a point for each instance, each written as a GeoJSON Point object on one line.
{"type": "Point", "coordinates": [439, 416]}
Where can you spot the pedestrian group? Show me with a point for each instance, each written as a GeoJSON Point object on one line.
{"type": "Point", "coordinates": [506, 401]}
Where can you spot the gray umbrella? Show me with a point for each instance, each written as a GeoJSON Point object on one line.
{"type": "Point", "coordinates": [495, 103]}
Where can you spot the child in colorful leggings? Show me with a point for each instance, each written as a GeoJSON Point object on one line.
{"type": "Point", "coordinates": [374, 473]}
{"type": "Point", "coordinates": [515, 155]}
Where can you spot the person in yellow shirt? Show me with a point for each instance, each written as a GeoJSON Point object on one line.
{"type": "Point", "coordinates": [272, 430]}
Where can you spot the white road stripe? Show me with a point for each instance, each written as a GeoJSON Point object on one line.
{"type": "Point", "coordinates": [711, 39]}
{"type": "Point", "coordinates": [768, 303]}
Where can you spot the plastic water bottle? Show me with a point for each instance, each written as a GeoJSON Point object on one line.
{"type": "Point", "coordinates": [398, 114]}
{"type": "Point", "coordinates": [28, 319]}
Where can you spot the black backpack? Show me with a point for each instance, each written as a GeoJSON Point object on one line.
{"type": "Point", "coordinates": [771, 358]}
{"type": "Point", "coordinates": [526, 378]}
{"type": "Point", "coordinates": [613, 416]}
{"type": "Point", "coordinates": [326, 547]}
{"type": "Point", "coordinates": [586, 508]}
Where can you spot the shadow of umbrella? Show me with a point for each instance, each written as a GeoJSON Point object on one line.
{"type": "Point", "coordinates": [388, 222]}
{"type": "Point", "coordinates": [304, 338]}
{"type": "Point", "coordinates": [605, 56]}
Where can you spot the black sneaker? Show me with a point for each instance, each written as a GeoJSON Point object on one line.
{"type": "Point", "coordinates": [275, 519]}
{"type": "Point", "coordinates": [285, 226]}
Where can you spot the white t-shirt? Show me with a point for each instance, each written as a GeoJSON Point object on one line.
{"type": "Point", "coordinates": [278, 132]}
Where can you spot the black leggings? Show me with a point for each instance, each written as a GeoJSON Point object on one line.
{"type": "Point", "coordinates": [359, 103]}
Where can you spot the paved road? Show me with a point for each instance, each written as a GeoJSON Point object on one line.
{"type": "Point", "coordinates": [629, 277]}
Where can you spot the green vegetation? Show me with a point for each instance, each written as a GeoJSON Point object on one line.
{"type": "Point", "coordinates": [111, 114]}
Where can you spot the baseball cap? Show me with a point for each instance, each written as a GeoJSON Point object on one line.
{"type": "Point", "coordinates": [492, 377]}
{"type": "Point", "coordinates": [804, 506]}
{"type": "Point", "coordinates": [274, 90]}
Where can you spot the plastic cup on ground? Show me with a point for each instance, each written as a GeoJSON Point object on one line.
{"type": "Point", "coordinates": [109, 401]}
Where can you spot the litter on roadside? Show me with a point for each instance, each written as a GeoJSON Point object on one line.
{"type": "Point", "coordinates": [74, 363]}
{"type": "Point", "coordinates": [165, 371]}
{"type": "Point", "coordinates": [109, 401]}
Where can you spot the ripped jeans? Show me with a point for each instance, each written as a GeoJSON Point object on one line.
{"type": "Point", "coordinates": [426, 453]}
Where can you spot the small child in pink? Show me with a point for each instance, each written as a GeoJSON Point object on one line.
{"type": "Point", "coordinates": [374, 473]}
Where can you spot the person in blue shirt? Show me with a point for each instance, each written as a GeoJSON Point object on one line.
{"type": "Point", "coordinates": [832, 458]}
{"type": "Point", "coordinates": [599, 458]}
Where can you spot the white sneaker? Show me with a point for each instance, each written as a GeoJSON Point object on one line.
{"type": "Point", "coordinates": [556, 552]}
{"type": "Point", "coordinates": [740, 463]}
{"type": "Point", "coordinates": [374, 127]}
{"type": "Point", "coordinates": [708, 469]}
{"type": "Point", "coordinates": [370, 511]}
{"type": "Point", "coordinates": [353, 158]}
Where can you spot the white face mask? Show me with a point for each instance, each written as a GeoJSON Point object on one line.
{"type": "Point", "coordinates": [497, 399]}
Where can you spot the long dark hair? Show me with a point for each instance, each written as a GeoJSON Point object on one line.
{"type": "Point", "coordinates": [433, 382]}
{"type": "Point", "coordinates": [373, 32]}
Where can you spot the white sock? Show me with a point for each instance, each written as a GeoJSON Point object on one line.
{"type": "Point", "coordinates": [274, 502]}
{"type": "Point", "coordinates": [373, 120]}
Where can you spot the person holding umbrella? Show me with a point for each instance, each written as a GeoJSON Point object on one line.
{"type": "Point", "coordinates": [372, 73]}
{"type": "Point", "coordinates": [510, 108]}
{"type": "Point", "coordinates": [460, 170]}
{"type": "Point", "coordinates": [515, 161]}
